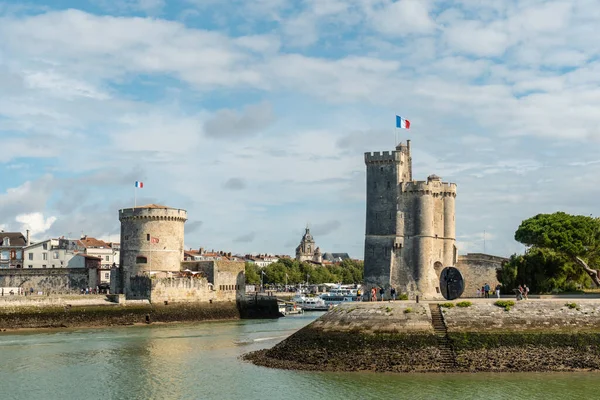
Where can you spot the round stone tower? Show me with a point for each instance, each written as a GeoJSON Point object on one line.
{"type": "Point", "coordinates": [151, 239]}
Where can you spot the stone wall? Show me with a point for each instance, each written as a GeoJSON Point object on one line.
{"type": "Point", "coordinates": [182, 290]}
{"type": "Point", "coordinates": [525, 316]}
{"type": "Point", "coordinates": [477, 270]}
{"type": "Point", "coordinates": [227, 277]}
{"type": "Point", "coordinates": [64, 280]}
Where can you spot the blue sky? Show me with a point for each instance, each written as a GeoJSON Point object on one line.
{"type": "Point", "coordinates": [254, 116]}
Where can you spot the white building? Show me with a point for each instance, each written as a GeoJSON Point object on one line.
{"type": "Point", "coordinates": [262, 260]}
{"type": "Point", "coordinates": [49, 254]}
{"type": "Point", "coordinates": [60, 253]}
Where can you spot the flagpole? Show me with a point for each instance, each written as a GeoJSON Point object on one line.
{"type": "Point", "coordinates": [134, 196]}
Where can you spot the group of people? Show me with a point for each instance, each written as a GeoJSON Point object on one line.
{"type": "Point", "coordinates": [522, 292]}
{"type": "Point", "coordinates": [381, 291]}
{"type": "Point", "coordinates": [89, 290]}
{"type": "Point", "coordinates": [486, 291]}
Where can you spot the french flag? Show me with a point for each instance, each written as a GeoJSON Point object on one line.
{"type": "Point", "coordinates": [139, 184]}
{"type": "Point", "coordinates": [402, 123]}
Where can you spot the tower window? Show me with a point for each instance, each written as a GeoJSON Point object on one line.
{"type": "Point", "coordinates": [381, 169]}
{"type": "Point", "coordinates": [389, 185]}
{"type": "Point", "coordinates": [148, 237]}
{"type": "Point", "coordinates": [141, 260]}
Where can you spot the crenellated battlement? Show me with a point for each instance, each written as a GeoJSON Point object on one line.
{"type": "Point", "coordinates": [430, 187]}
{"type": "Point", "coordinates": [153, 213]}
{"type": "Point", "coordinates": [383, 157]}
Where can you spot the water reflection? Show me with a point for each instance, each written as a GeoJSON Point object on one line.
{"type": "Point", "coordinates": [200, 361]}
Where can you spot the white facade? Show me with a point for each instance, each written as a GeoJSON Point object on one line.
{"type": "Point", "coordinates": [262, 262]}
{"type": "Point", "coordinates": [47, 254]}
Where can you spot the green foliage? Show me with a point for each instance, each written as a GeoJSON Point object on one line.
{"type": "Point", "coordinates": [408, 310]}
{"type": "Point", "coordinates": [543, 271]}
{"type": "Point", "coordinates": [447, 305]}
{"type": "Point", "coordinates": [572, 306]}
{"type": "Point", "coordinates": [555, 240]}
{"type": "Point", "coordinates": [573, 235]}
{"type": "Point", "coordinates": [293, 272]}
{"type": "Point", "coordinates": [464, 304]}
{"type": "Point", "coordinates": [388, 309]}
{"type": "Point", "coordinates": [506, 304]}
{"type": "Point", "coordinates": [252, 274]}
{"type": "Point", "coordinates": [403, 296]}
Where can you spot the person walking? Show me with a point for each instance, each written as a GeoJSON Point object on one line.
{"type": "Point", "coordinates": [393, 294]}
{"type": "Point", "coordinates": [381, 292]}
{"type": "Point", "coordinates": [487, 291]}
{"type": "Point", "coordinates": [526, 292]}
{"type": "Point", "coordinates": [373, 294]}
{"type": "Point", "coordinates": [498, 290]}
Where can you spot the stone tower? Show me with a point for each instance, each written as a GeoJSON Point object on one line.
{"type": "Point", "coordinates": [151, 241]}
{"type": "Point", "coordinates": [410, 225]}
{"type": "Point", "coordinates": [307, 250]}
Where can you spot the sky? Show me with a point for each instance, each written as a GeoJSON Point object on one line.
{"type": "Point", "coordinates": [254, 115]}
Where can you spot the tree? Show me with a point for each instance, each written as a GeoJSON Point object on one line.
{"type": "Point", "coordinates": [574, 236]}
{"type": "Point", "coordinates": [543, 270]}
{"type": "Point", "coordinates": [252, 275]}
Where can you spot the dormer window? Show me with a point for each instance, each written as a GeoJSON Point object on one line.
{"type": "Point", "coordinates": [6, 241]}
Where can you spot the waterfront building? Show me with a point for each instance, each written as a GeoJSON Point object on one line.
{"type": "Point", "coordinates": [11, 249]}
{"type": "Point", "coordinates": [155, 267]}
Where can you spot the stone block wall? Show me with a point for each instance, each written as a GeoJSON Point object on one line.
{"type": "Point", "coordinates": [227, 277]}
{"type": "Point", "coordinates": [64, 280]}
{"type": "Point", "coordinates": [182, 290]}
{"type": "Point", "coordinates": [477, 270]}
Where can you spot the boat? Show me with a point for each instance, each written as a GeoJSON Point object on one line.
{"type": "Point", "coordinates": [289, 308]}
{"type": "Point", "coordinates": [310, 303]}
{"type": "Point", "coordinates": [337, 296]}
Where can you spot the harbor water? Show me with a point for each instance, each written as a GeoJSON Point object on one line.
{"type": "Point", "coordinates": [201, 361]}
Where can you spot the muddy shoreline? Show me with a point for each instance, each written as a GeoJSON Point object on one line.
{"type": "Point", "coordinates": [95, 316]}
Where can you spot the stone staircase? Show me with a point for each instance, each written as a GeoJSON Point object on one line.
{"type": "Point", "coordinates": [441, 332]}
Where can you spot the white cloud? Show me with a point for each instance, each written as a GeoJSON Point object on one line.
{"type": "Point", "coordinates": [35, 222]}
{"type": "Point", "coordinates": [402, 17]}
{"type": "Point", "coordinates": [473, 37]}
{"type": "Point", "coordinates": [502, 95]}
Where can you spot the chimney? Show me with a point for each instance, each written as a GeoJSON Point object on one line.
{"type": "Point", "coordinates": [201, 250]}
{"type": "Point", "coordinates": [28, 238]}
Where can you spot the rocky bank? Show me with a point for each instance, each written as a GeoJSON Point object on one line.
{"type": "Point", "coordinates": [401, 337]}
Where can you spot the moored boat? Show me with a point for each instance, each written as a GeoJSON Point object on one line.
{"type": "Point", "coordinates": [310, 303]}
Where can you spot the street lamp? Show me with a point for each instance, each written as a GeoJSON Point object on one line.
{"type": "Point", "coordinates": [307, 276]}
{"type": "Point", "coordinates": [262, 273]}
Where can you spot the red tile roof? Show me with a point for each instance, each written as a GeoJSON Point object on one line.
{"type": "Point", "coordinates": [90, 242]}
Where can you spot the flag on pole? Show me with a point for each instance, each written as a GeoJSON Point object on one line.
{"type": "Point", "coordinates": [139, 184]}
{"type": "Point", "coordinates": [402, 123]}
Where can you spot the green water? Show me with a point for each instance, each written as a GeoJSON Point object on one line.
{"type": "Point", "coordinates": [200, 361]}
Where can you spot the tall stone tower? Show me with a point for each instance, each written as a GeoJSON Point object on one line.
{"type": "Point", "coordinates": [151, 241]}
{"type": "Point", "coordinates": [410, 225]}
